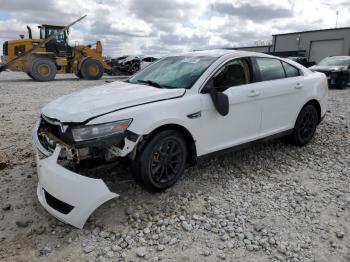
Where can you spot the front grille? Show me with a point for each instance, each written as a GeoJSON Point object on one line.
{"type": "Point", "coordinates": [5, 49]}
{"type": "Point", "coordinates": [57, 204]}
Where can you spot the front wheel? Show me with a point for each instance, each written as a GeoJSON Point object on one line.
{"type": "Point", "coordinates": [91, 69]}
{"type": "Point", "coordinates": [305, 126]}
{"type": "Point", "coordinates": [161, 162]}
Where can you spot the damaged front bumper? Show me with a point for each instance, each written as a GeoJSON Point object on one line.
{"type": "Point", "coordinates": [68, 196]}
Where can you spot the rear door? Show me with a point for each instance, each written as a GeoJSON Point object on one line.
{"type": "Point", "coordinates": [282, 92]}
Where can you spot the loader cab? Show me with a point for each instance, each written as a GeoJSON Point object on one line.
{"type": "Point", "coordinates": [59, 45]}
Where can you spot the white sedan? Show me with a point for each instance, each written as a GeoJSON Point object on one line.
{"type": "Point", "coordinates": [179, 109]}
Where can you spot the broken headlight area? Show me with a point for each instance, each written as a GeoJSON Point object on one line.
{"type": "Point", "coordinates": [104, 142]}
{"type": "Point", "coordinates": [87, 133]}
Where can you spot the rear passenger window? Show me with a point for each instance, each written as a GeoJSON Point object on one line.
{"type": "Point", "coordinates": [291, 71]}
{"type": "Point", "coordinates": [270, 69]}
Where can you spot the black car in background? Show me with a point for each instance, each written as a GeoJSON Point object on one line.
{"type": "Point", "coordinates": [301, 60]}
{"type": "Point", "coordinates": [337, 70]}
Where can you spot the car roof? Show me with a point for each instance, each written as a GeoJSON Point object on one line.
{"type": "Point", "coordinates": [222, 52]}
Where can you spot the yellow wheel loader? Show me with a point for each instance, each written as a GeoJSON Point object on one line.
{"type": "Point", "coordinates": [50, 54]}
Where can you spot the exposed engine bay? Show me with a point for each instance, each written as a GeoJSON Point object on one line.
{"type": "Point", "coordinates": [51, 132]}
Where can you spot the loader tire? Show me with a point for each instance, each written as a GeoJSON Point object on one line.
{"type": "Point", "coordinates": [43, 69]}
{"type": "Point", "coordinates": [91, 69]}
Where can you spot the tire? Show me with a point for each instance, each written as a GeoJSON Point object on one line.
{"type": "Point", "coordinates": [91, 69]}
{"type": "Point", "coordinates": [305, 126]}
{"type": "Point", "coordinates": [161, 162]}
{"type": "Point", "coordinates": [43, 69]}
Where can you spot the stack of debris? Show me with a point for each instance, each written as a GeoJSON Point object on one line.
{"type": "Point", "coordinates": [129, 65]}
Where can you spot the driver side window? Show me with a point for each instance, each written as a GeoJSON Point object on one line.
{"type": "Point", "coordinates": [234, 73]}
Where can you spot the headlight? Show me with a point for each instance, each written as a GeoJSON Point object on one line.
{"type": "Point", "coordinates": [100, 130]}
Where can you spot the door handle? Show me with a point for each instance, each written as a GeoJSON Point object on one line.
{"type": "Point", "coordinates": [299, 86]}
{"type": "Point", "coordinates": [253, 93]}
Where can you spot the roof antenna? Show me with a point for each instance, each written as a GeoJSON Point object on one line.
{"type": "Point", "coordinates": [336, 21]}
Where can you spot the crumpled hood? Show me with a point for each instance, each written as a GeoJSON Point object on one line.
{"type": "Point", "coordinates": [91, 102]}
{"type": "Point", "coordinates": [327, 68]}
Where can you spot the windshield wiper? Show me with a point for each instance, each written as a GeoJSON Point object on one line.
{"type": "Point", "coordinates": [151, 83]}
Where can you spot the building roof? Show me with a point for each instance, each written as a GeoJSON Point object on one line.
{"type": "Point", "coordinates": [221, 52]}
{"type": "Point", "coordinates": [310, 31]}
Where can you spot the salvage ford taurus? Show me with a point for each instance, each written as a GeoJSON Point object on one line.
{"type": "Point", "coordinates": [176, 110]}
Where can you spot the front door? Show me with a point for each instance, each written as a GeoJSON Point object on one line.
{"type": "Point", "coordinates": [242, 123]}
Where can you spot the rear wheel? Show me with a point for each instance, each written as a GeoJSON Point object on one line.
{"type": "Point", "coordinates": [91, 69]}
{"type": "Point", "coordinates": [43, 69]}
{"type": "Point", "coordinates": [305, 126]}
{"type": "Point", "coordinates": [162, 161]}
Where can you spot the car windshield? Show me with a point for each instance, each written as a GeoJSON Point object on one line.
{"type": "Point", "coordinates": [173, 72]}
{"type": "Point", "coordinates": [335, 61]}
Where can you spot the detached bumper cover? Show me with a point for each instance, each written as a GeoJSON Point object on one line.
{"type": "Point", "coordinates": [68, 196]}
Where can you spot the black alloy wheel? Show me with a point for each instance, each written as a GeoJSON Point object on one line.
{"type": "Point", "coordinates": [162, 161]}
{"type": "Point", "coordinates": [166, 161]}
{"type": "Point", "coordinates": [305, 125]}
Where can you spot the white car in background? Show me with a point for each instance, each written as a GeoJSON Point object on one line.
{"type": "Point", "coordinates": [176, 110]}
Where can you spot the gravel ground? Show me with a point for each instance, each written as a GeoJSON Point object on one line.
{"type": "Point", "coordinates": [270, 202]}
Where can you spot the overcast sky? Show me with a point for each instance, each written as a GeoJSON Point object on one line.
{"type": "Point", "coordinates": [163, 26]}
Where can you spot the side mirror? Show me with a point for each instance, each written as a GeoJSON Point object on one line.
{"type": "Point", "coordinates": [220, 101]}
